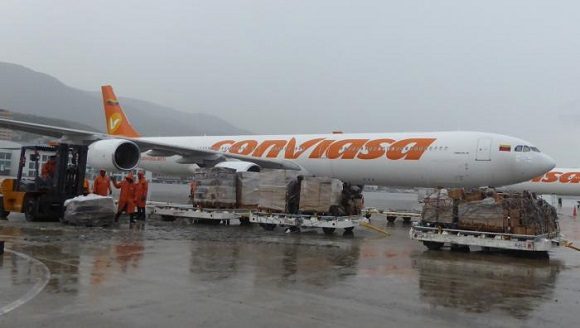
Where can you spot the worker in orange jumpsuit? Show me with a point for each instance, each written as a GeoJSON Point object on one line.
{"type": "Point", "coordinates": [141, 189]}
{"type": "Point", "coordinates": [102, 184]}
{"type": "Point", "coordinates": [86, 187]}
{"type": "Point", "coordinates": [126, 198]}
{"type": "Point", "coordinates": [48, 169]}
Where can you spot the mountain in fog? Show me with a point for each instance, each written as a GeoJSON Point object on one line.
{"type": "Point", "coordinates": [26, 92]}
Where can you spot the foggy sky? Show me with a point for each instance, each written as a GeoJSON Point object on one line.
{"type": "Point", "coordinates": [272, 66]}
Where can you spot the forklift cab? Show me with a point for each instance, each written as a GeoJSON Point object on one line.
{"type": "Point", "coordinates": [47, 176]}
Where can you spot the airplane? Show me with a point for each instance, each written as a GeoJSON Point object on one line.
{"type": "Point", "coordinates": [413, 159]}
{"type": "Point", "coordinates": [558, 181]}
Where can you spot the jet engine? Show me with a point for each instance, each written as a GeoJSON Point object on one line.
{"type": "Point", "coordinates": [114, 154]}
{"type": "Point", "coordinates": [240, 166]}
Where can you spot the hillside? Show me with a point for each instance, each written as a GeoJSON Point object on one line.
{"type": "Point", "coordinates": [26, 92]}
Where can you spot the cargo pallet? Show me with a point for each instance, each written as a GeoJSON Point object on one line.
{"type": "Point", "coordinates": [434, 238]}
{"type": "Point", "coordinates": [390, 215]}
{"type": "Point", "coordinates": [295, 222]}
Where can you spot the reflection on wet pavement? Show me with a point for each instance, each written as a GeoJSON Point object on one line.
{"type": "Point", "coordinates": [171, 274]}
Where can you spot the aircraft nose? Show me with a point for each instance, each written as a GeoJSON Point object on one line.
{"type": "Point", "coordinates": [543, 164]}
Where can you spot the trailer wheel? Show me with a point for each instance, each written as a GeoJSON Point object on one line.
{"type": "Point", "coordinates": [167, 218]}
{"type": "Point", "coordinates": [406, 219]}
{"type": "Point", "coordinates": [328, 231]}
{"type": "Point", "coordinates": [433, 245]}
{"type": "Point", "coordinates": [268, 226]}
{"type": "Point", "coordinates": [3, 214]}
{"type": "Point", "coordinates": [391, 219]}
{"type": "Point", "coordinates": [349, 229]}
{"type": "Point", "coordinates": [30, 209]}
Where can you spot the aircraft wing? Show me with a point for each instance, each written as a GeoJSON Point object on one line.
{"type": "Point", "coordinates": [195, 156]}
{"type": "Point", "coordinates": [189, 155]}
{"type": "Point", "coordinates": [52, 131]}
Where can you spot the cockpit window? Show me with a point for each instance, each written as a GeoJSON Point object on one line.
{"type": "Point", "coordinates": [535, 149]}
{"type": "Point", "coordinates": [526, 148]}
{"type": "Point", "coordinates": [518, 148]}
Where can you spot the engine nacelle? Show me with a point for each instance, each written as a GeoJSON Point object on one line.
{"type": "Point", "coordinates": [240, 166]}
{"type": "Point", "coordinates": [114, 154]}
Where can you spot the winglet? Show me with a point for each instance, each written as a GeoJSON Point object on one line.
{"type": "Point", "coordinates": [117, 122]}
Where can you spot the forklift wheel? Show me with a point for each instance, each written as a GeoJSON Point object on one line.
{"type": "Point", "coordinates": [29, 210]}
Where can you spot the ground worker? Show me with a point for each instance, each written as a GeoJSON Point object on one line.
{"type": "Point", "coordinates": [126, 198]}
{"type": "Point", "coordinates": [141, 189]}
{"type": "Point", "coordinates": [86, 187]}
{"type": "Point", "coordinates": [48, 169]}
{"type": "Point", "coordinates": [192, 188]}
{"type": "Point", "coordinates": [102, 184]}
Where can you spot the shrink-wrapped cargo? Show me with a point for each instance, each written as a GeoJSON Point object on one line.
{"type": "Point", "coordinates": [91, 210]}
{"type": "Point", "coordinates": [278, 190]}
{"type": "Point", "coordinates": [216, 188]}
{"type": "Point", "coordinates": [483, 215]}
{"type": "Point", "coordinates": [319, 194]}
{"type": "Point", "coordinates": [248, 193]}
{"type": "Point", "coordinates": [438, 208]}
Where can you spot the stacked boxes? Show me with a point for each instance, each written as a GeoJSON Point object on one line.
{"type": "Point", "coordinates": [516, 213]}
{"type": "Point", "coordinates": [278, 191]}
{"type": "Point", "coordinates": [248, 189]}
{"type": "Point", "coordinates": [319, 194]}
{"type": "Point", "coordinates": [481, 215]}
{"type": "Point", "coordinates": [438, 208]}
{"type": "Point", "coordinates": [216, 188]}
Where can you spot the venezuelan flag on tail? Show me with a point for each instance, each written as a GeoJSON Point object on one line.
{"type": "Point", "coordinates": [117, 122]}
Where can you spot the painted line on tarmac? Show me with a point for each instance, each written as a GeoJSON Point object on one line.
{"type": "Point", "coordinates": [35, 290]}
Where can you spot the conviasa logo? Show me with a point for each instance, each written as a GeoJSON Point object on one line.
{"type": "Point", "coordinates": [406, 149]}
{"type": "Point", "coordinates": [560, 177]}
{"type": "Point", "coordinates": [115, 122]}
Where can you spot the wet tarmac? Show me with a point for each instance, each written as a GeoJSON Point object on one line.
{"type": "Point", "coordinates": [174, 274]}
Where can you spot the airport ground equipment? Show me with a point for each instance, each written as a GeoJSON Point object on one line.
{"type": "Point", "coordinates": [169, 211]}
{"type": "Point", "coordinates": [435, 238]}
{"type": "Point", "coordinates": [295, 222]}
{"type": "Point", "coordinates": [391, 215]}
{"type": "Point", "coordinates": [41, 198]}
{"type": "Point", "coordinates": [269, 221]}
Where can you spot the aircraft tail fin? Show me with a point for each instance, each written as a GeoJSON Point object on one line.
{"type": "Point", "coordinates": [117, 122]}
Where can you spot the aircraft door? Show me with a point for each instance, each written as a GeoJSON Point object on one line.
{"type": "Point", "coordinates": [483, 152]}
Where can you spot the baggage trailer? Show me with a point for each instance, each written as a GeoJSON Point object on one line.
{"type": "Point", "coordinates": [328, 224]}
{"type": "Point", "coordinates": [436, 237]}
{"type": "Point", "coordinates": [169, 211]}
{"type": "Point", "coordinates": [391, 215]}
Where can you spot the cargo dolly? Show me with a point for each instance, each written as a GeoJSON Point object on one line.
{"type": "Point", "coordinates": [391, 215]}
{"type": "Point", "coordinates": [436, 237]}
{"type": "Point", "coordinates": [295, 222]}
{"type": "Point", "coordinates": [170, 211]}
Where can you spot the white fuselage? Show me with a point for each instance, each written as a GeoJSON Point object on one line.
{"type": "Point", "coordinates": [559, 181]}
{"type": "Point", "coordinates": [423, 159]}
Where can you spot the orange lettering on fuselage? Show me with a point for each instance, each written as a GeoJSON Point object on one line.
{"type": "Point", "coordinates": [560, 177]}
{"type": "Point", "coordinates": [409, 149]}
{"type": "Point", "coordinates": [219, 144]}
{"type": "Point", "coordinates": [291, 152]}
{"type": "Point", "coordinates": [345, 149]}
{"type": "Point", "coordinates": [321, 149]}
{"type": "Point", "coordinates": [375, 149]}
{"type": "Point", "coordinates": [275, 147]}
{"type": "Point", "coordinates": [244, 147]}
{"type": "Point", "coordinates": [364, 149]}
{"type": "Point", "coordinates": [551, 176]}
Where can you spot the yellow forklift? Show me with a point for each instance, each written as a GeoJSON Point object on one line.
{"type": "Point", "coordinates": [41, 197]}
